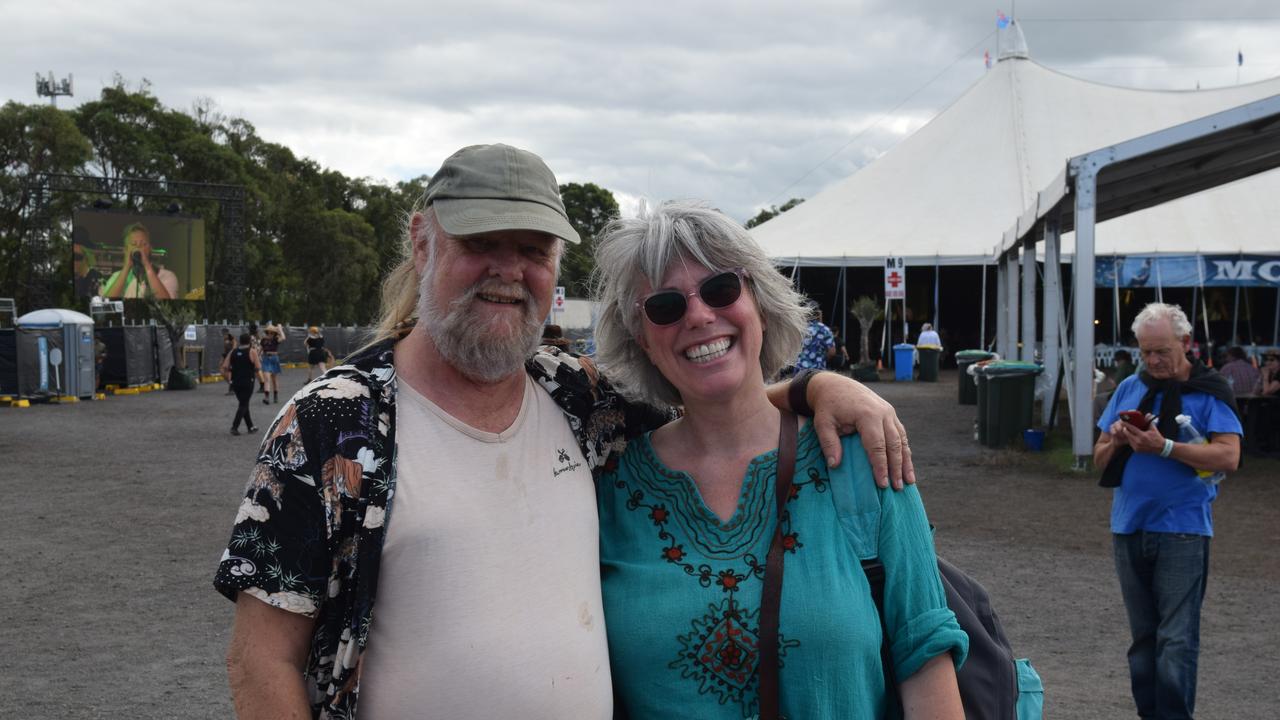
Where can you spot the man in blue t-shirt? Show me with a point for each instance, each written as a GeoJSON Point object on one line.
{"type": "Point", "coordinates": [1165, 477]}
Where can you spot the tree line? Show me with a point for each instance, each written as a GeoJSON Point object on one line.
{"type": "Point", "coordinates": [316, 242]}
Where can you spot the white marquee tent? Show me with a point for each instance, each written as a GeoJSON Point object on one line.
{"type": "Point", "coordinates": [946, 194]}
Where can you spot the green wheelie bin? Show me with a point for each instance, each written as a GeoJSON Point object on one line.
{"type": "Point", "coordinates": [968, 388]}
{"type": "Point", "coordinates": [1006, 396]}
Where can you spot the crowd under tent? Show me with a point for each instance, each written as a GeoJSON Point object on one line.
{"type": "Point", "coordinates": [940, 196]}
{"type": "Point", "coordinates": [1119, 183]}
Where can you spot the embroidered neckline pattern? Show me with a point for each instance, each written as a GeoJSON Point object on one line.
{"type": "Point", "coordinates": [720, 649]}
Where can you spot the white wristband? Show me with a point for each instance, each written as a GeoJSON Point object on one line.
{"type": "Point", "coordinates": [1168, 448]}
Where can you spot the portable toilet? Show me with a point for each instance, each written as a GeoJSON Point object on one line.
{"type": "Point", "coordinates": [55, 353]}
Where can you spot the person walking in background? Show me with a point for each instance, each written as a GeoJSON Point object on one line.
{"type": "Point", "coordinates": [316, 355]}
{"type": "Point", "coordinates": [272, 335]}
{"type": "Point", "coordinates": [819, 345]}
{"type": "Point", "coordinates": [1164, 473]}
{"type": "Point", "coordinates": [240, 367]}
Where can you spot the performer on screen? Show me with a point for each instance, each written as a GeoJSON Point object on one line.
{"type": "Point", "coordinates": [140, 277]}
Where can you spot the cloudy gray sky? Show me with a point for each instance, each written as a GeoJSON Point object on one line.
{"type": "Point", "coordinates": [744, 103]}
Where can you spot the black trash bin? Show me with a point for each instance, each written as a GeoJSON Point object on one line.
{"type": "Point", "coordinates": [1006, 396]}
{"type": "Point", "coordinates": [929, 357]}
{"type": "Point", "coordinates": [968, 388]}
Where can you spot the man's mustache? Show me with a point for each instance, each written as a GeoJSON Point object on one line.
{"type": "Point", "coordinates": [495, 287]}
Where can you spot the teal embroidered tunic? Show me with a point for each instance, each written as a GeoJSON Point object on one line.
{"type": "Point", "coordinates": [682, 588]}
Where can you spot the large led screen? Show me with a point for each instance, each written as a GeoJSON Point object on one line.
{"type": "Point", "coordinates": [120, 256]}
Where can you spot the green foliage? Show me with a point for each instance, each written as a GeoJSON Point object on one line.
{"type": "Point", "coordinates": [590, 208]}
{"type": "Point", "coordinates": [316, 242]}
{"type": "Point", "coordinates": [770, 213]}
{"type": "Point", "coordinates": [33, 139]}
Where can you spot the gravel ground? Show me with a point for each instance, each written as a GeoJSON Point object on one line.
{"type": "Point", "coordinates": [123, 507]}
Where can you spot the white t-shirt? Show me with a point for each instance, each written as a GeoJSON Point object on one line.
{"type": "Point", "coordinates": [488, 600]}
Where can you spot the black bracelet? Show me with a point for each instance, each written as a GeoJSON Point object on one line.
{"type": "Point", "coordinates": [798, 393]}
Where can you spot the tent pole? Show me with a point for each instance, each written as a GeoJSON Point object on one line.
{"type": "Point", "coordinates": [904, 319]}
{"type": "Point", "coordinates": [1159, 283]}
{"type": "Point", "coordinates": [884, 333]}
{"type": "Point", "coordinates": [1086, 187]}
{"type": "Point", "coordinates": [1275, 328]}
{"type": "Point", "coordinates": [1051, 309]}
{"type": "Point", "coordinates": [844, 300]}
{"type": "Point", "coordinates": [1115, 301]}
{"type": "Point", "coordinates": [1028, 351]}
{"type": "Point", "coordinates": [835, 301]}
{"type": "Point", "coordinates": [1002, 302]}
{"type": "Point", "coordinates": [1248, 319]}
{"type": "Point", "coordinates": [1012, 296]}
{"type": "Point", "coordinates": [982, 320]}
{"type": "Point", "coordinates": [1195, 293]}
{"type": "Point", "coordinates": [1235, 318]}
{"type": "Point", "coordinates": [937, 280]}
{"type": "Point", "coordinates": [1204, 305]}
{"type": "Point", "coordinates": [904, 302]}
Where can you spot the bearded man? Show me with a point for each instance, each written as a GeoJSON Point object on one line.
{"type": "Point", "coordinates": [487, 583]}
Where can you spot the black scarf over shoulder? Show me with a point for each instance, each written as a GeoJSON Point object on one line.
{"type": "Point", "coordinates": [1203, 380]}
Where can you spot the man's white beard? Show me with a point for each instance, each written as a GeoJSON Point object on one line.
{"type": "Point", "coordinates": [482, 348]}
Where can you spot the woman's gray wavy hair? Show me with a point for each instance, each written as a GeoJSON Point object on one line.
{"type": "Point", "coordinates": [632, 250]}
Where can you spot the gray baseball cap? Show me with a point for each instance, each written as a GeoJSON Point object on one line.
{"type": "Point", "coordinates": [486, 188]}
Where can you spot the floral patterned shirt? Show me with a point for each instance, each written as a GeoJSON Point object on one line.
{"type": "Point", "coordinates": [817, 340]}
{"type": "Point", "coordinates": [308, 534]}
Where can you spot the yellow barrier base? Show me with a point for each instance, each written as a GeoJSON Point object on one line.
{"type": "Point", "coordinates": [19, 403]}
{"type": "Point", "coordinates": [126, 391]}
{"type": "Point", "coordinates": [99, 396]}
{"type": "Point", "coordinates": [66, 399]}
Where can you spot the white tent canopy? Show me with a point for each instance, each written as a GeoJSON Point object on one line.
{"type": "Point", "coordinates": [945, 195]}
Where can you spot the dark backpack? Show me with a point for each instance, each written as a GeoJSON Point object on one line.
{"type": "Point", "coordinates": [993, 684]}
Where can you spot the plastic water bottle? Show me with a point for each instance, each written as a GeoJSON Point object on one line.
{"type": "Point", "coordinates": [1193, 437]}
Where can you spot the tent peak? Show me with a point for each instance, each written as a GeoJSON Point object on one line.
{"type": "Point", "coordinates": [1011, 43]}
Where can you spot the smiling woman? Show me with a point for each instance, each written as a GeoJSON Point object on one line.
{"type": "Point", "coordinates": [632, 265]}
{"type": "Point", "coordinates": [694, 314]}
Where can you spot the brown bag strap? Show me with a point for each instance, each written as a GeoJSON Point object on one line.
{"type": "Point", "coordinates": [771, 595]}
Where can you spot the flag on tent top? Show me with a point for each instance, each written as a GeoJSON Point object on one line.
{"type": "Point", "coordinates": [986, 58]}
{"type": "Point", "coordinates": [1002, 20]}
{"type": "Point", "coordinates": [1239, 58]}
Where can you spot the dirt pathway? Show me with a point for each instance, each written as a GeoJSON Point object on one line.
{"type": "Point", "coordinates": [120, 509]}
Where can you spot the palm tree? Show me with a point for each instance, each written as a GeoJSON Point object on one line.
{"type": "Point", "coordinates": [866, 311]}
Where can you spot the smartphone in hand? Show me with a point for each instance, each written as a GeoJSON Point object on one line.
{"type": "Point", "coordinates": [1136, 418]}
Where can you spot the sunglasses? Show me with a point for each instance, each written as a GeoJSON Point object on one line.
{"type": "Point", "coordinates": [721, 290]}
